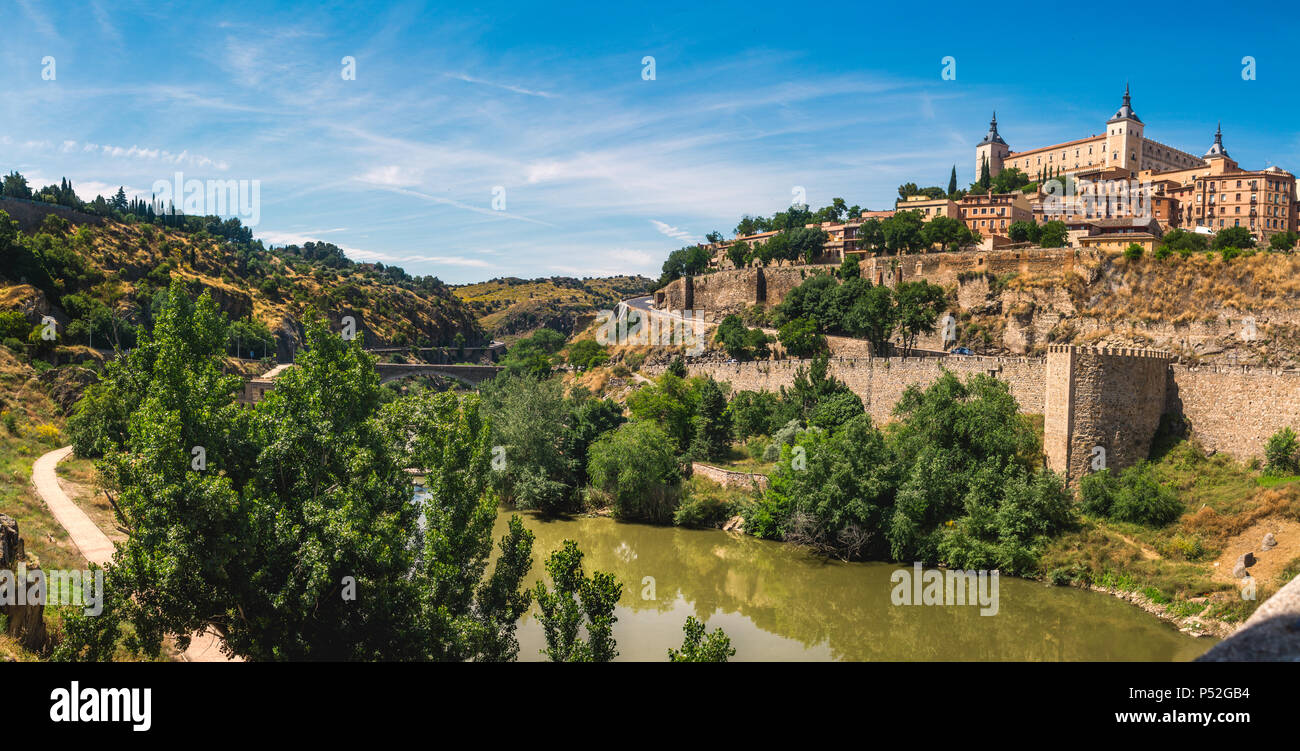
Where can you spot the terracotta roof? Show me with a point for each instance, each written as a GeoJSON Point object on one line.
{"type": "Point", "coordinates": [1015, 154]}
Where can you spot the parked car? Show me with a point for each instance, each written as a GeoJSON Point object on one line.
{"type": "Point", "coordinates": [960, 351]}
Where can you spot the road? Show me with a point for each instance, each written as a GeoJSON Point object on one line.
{"type": "Point", "coordinates": [95, 545]}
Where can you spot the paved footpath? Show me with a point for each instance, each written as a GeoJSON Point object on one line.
{"type": "Point", "coordinates": [95, 545]}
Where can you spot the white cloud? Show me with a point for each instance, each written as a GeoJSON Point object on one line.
{"type": "Point", "coordinates": [391, 175]}
{"type": "Point", "coordinates": [673, 232]}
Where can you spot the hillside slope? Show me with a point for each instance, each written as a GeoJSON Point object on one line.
{"type": "Point", "coordinates": [510, 305]}
{"type": "Point", "coordinates": [99, 279]}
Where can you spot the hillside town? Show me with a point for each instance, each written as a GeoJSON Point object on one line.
{"type": "Point", "coordinates": [1110, 190]}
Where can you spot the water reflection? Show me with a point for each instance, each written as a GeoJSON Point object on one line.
{"type": "Point", "coordinates": [779, 603]}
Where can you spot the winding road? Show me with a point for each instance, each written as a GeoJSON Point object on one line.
{"type": "Point", "coordinates": [95, 545]}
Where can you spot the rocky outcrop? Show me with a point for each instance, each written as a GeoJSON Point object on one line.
{"type": "Point", "coordinates": [26, 622]}
{"type": "Point", "coordinates": [65, 385]}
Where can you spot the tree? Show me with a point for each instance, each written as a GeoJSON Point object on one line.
{"type": "Point", "coordinates": [587, 353]}
{"type": "Point", "coordinates": [952, 182]}
{"type": "Point", "coordinates": [534, 355]}
{"type": "Point", "coordinates": [813, 385]}
{"type": "Point", "coordinates": [670, 402]}
{"type": "Point", "coordinates": [985, 178]}
{"type": "Point", "coordinates": [1133, 496]}
{"type": "Point", "coordinates": [755, 413]}
{"type": "Point", "coordinates": [739, 253]}
{"type": "Point", "coordinates": [801, 338]}
{"type": "Point", "coordinates": [575, 601]}
{"type": "Point", "coordinates": [712, 423]}
{"type": "Point", "coordinates": [686, 261]}
{"type": "Point", "coordinates": [1282, 454]}
{"type": "Point", "coordinates": [739, 341]}
{"type": "Point", "coordinates": [1284, 241]}
{"type": "Point", "coordinates": [1024, 231]}
{"type": "Point", "coordinates": [1053, 234]}
{"type": "Point", "coordinates": [696, 647]}
{"type": "Point", "coordinates": [636, 466]}
{"type": "Point", "coordinates": [1009, 180]}
{"type": "Point", "coordinates": [677, 366]}
{"type": "Point", "coordinates": [873, 317]}
{"type": "Point", "coordinates": [919, 305]}
{"type": "Point", "coordinates": [15, 186]}
{"type": "Point", "coordinates": [1133, 252]}
{"type": "Point", "coordinates": [528, 420]}
{"type": "Point", "coordinates": [902, 232]}
{"type": "Point", "coordinates": [837, 500]}
{"type": "Point", "coordinates": [946, 232]}
{"type": "Point", "coordinates": [850, 267]}
{"type": "Point", "coordinates": [1185, 242]}
{"type": "Point", "coordinates": [871, 235]}
{"type": "Point", "coordinates": [1233, 237]}
{"type": "Point", "coordinates": [259, 522]}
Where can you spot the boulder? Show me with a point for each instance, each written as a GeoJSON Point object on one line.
{"type": "Point", "coordinates": [1244, 562]}
{"type": "Point", "coordinates": [734, 524]}
{"type": "Point", "coordinates": [1269, 543]}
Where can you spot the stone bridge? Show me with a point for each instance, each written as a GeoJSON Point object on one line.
{"type": "Point", "coordinates": [470, 375]}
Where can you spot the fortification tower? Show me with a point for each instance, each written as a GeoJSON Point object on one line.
{"type": "Point", "coordinates": [993, 149]}
{"type": "Point", "coordinates": [1102, 407]}
{"type": "Point", "coordinates": [1124, 137]}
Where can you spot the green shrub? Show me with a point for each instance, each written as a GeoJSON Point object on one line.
{"type": "Point", "coordinates": [701, 510]}
{"type": "Point", "coordinates": [1187, 546]}
{"type": "Point", "coordinates": [1282, 454]}
{"type": "Point", "coordinates": [1134, 496]}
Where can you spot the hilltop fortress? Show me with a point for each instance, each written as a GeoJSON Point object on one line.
{"type": "Point", "coordinates": [1111, 398]}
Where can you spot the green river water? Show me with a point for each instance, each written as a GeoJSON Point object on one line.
{"type": "Point", "coordinates": [778, 602]}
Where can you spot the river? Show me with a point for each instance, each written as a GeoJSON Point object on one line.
{"type": "Point", "coordinates": [778, 602]}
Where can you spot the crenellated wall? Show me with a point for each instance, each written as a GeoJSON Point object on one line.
{"type": "Point", "coordinates": [1090, 397]}
{"type": "Point", "coordinates": [881, 381]}
{"type": "Point", "coordinates": [1234, 409]}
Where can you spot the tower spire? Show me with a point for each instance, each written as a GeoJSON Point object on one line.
{"type": "Point", "coordinates": [1126, 111]}
{"type": "Point", "coordinates": [1217, 149]}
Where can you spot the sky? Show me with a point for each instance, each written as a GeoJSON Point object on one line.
{"type": "Point", "coordinates": [531, 140]}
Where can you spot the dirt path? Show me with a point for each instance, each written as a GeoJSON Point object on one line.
{"type": "Point", "coordinates": [95, 545]}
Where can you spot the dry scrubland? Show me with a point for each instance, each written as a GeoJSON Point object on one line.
{"type": "Point", "coordinates": [128, 257]}
{"type": "Point", "coordinates": [1196, 307]}
{"type": "Point", "coordinates": [509, 307]}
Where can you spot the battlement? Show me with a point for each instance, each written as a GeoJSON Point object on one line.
{"type": "Point", "coordinates": [1109, 351]}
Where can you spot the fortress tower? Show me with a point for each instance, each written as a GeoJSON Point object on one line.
{"type": "Point", "coordinates": [992, 150]}
{"type": "Point", "coordinates": [1124, 137]}
{"type": "Point", "coordinates": [1102, 407]}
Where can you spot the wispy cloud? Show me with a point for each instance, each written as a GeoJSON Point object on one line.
{"type": "Point", "coordinates": [671, 231]}
{"type": "Point", "coordinates": [503, 86]}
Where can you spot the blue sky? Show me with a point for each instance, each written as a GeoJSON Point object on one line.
{"type": "Point", "coordinates": [603, 172]}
